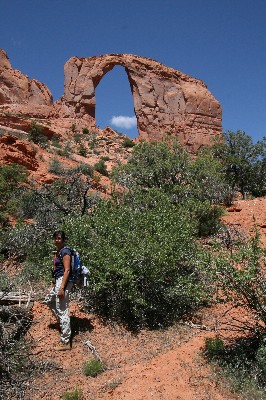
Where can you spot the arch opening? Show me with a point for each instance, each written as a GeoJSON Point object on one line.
{"type": "Point", "coordinates": [114, 103]}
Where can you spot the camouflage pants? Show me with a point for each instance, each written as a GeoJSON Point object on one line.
{"type": "Point", "coordinates": [60, 308]}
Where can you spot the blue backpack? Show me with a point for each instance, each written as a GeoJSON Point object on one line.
{"type": "Point", "coordinates": [78, 272]}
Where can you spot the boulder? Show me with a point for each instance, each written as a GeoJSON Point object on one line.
{"type": "Point", "coordinates": [14, 150]}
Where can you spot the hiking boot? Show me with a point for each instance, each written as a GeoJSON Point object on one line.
{"type": "Point", "coordinates": [63, 347]}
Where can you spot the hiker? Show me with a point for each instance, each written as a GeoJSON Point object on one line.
{"type": "Point", "coordinates": [58, 296]}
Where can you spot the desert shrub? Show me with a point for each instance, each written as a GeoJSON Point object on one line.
{"type": "Point", "coordinates": [143, 259]}
{"type": "Point", "coordinates": [12, 180]}
{"type": "Point", "coordinates": [153, 165]}
{"type": "Point", "coordinates": [85, 131]}
{"type": "Point", "coordinates": [75, 394]}
{"type": "Point", "coordinates": [36, 135]}
{"type": "Point", "coordinates": [242, 160]}
{"type": "Point", "coordinates": [82, 150]}
{"type": "Point", "coordinates": [93, 368]}
{"type": "Point", "coordinates": [84, 169]}
{"type": "Point", "coordinates": [241, 364]}
{"type": "Point", "coordinates": [100, 167]}
{"type": "Point", "coordinates": [55, 167]}
{"type": "Point", "coordinates": [128, 142]}
{"type": "Point", "coordinates": [73, 128]}
{"type": "Point", "coordinates": [239, 273]}
{"type": "Point", "coordinates": [214, 347]}
{"type": "Point", "coordinates": [66, 150]}
{"type": "Point", "coordinates": [192, 184]}
{"type": "Point", "coordinates": [55, 142]}
{"type": "Point", "coordinates": [207, 179]}
{"type": "Point", "coordinates": [77, 137]}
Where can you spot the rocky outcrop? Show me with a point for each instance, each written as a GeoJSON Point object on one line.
{"type": "Point", "coordinates": [16, 87]}
{"type": "Point", "coordinates": [166, 101]}
{"type": "Point", "coordinates": [13, 150]}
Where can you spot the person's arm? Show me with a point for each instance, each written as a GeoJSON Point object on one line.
{"type": "Point", "coordinates": [66, 263]}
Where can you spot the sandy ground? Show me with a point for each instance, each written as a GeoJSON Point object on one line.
{"type": "Point", "coordinates": [166, 364]}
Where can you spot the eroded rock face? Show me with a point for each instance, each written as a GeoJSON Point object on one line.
{"type": "Point", "coordinates": [13, 150]}
{"type": "Point", "coordinates": [166, 101]}
{"type": "Point", "coordinates": [16, 87]}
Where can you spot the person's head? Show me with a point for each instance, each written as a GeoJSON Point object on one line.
{"type": "Point", "coordinates": [59, 238]}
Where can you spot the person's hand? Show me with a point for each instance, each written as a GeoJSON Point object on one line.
{"type": "Point", "coordinates": [61, 293]}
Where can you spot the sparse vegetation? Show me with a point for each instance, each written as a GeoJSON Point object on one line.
{"type": "Point", "coordinates": [75, 394]}
{"type": "Point", "coordinates": [100, 167]}
{"type": "Point", "coordinates": [55, 167]}
{"type": "Point", "coordinates": [127, 142]}
{"type": "Point", "coordinates": [93, 368]}
{"type": "Point", "coordinates": [82, 150]}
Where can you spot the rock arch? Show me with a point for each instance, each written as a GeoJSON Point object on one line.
{"type": "Point", "coordinates": [166, 101]}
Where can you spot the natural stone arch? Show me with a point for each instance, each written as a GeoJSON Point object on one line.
{"type": "Point", "coordinates": [166, 101]}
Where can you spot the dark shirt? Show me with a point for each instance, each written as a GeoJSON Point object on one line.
{"type": "Point", "coordinates": [58, 262]}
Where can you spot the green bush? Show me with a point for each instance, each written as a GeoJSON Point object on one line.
{"type": "Point", "coordinates": [100, 167]}
{"type": "Point", "coordinates": [261, 360]}
{"type": "Point", "coordinates": [75, 394]}
{"type": "Point", "coordinates": [241, 365]}
{"type": "Point", "coordinates": [243, 162]}
{"type": "Point", "coordinates": [214, 347]}
{"type": "Point", "coordinates": [244, 286]}
{"type": "Point", "coordinates": [93, 368]}
{"type": "Point", "coordinates": [82, 150]}
{"type": "Point", "coordinates": [55, 167]}
{"type": "Point", "coordinates": [85, 131]}
{"type": "Point", "coordinates": [12, 178]}
{"type": "Point", "coordinates": [77, 137]}
{"type": "Point", "coordinates": [143, 259]}
{"type": "Point", "coordinates": [36, 135]}
{"type": "Point", "coordinates": [128, 142]}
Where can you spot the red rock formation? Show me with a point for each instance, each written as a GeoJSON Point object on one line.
{"type": "Point", "coordinates": [16, 87]}
{"type": "Point", "coordinates": [13, 150]}
{"type": "Point", "coordinates": [166, 101]}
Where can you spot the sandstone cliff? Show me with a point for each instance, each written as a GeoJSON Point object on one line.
{"type": "Point", "coordinates": [166, 101]}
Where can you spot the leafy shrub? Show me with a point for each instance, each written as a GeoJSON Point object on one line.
{"type": "Point", "coordinates": [243, 161]}
{"type": "Point", "coordinates": [66, 151]}
{"type": "Point", "coordinates": [100, 167]}
{"type": "Point", "coordinates": [84, 169]}
{"type": "Point", "coordinates": [85, 131]}
{"type": "Point", "coordinates": [143, 258]}
{"type": "Point", "coordinates": [55, 167]}
{"type": "Point", "coordinates": [214, 347]}
{"type": "Point", "coordinates": [73, 128]}
{"type": "Point", "coordinates": [93, 368]}
{"type": "Point", "coordinates": [241, 365]}
{"type": "Point", "coordinates": [128, 142]}
{"type": "Point", "coordinates": [82, 150]}
{"type": "Point", "coordinates": [77, 137]}
{"type": "Point", "coordinates": [244, 286]}
{"type": "Point", "coordinates": [12, 178]}
{"type": "Point", "coordinates": [36, 135]}
{"type": "Point", "coordinates": [75, 394]}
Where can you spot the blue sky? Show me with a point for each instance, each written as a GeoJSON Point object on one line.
{"type": "Point", "coordinates": [221, 42]}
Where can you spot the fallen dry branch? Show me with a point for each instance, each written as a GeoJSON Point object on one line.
{"type": "Point", "coordinates": [16, 298]}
